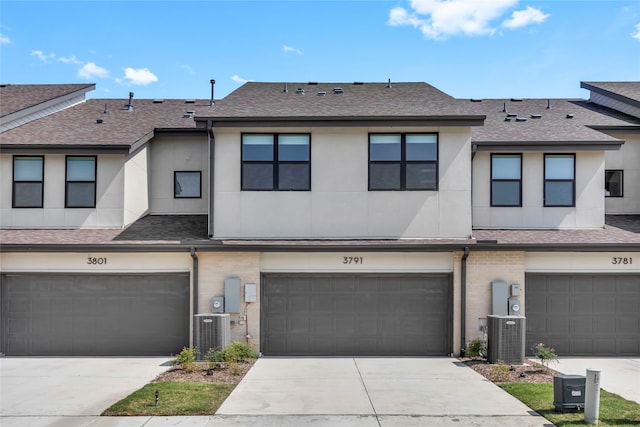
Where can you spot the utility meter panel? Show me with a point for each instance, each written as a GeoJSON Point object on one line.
{"type": "Point", "coordinates": [232, 295]}
{"type": "Point", "coordinates": [217, 305]}
{"type": "Point", "coordinates": [250, 292]}
{"type": "Point", "coordinates": [514, 307]}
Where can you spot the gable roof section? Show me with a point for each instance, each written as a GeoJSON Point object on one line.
{"type": "Point", "coordinates": [343, 104]}
{"type": "Point", "coordinates": [24, 103]}
{"type": "Point", "coordinates": [621, 96]}
{"type": "Point", "coordinates": [549, 124]}
{"type": "Point", "coordinates": [103, 124]}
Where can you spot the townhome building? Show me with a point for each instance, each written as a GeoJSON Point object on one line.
{"type": "Point", "coordinates": [324, 218]}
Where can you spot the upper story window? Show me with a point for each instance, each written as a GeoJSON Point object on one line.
{"type": "Point", "coordinates": [186, 184]}
{"type": "Point", "coordinates": [559, 180]}
{"type": "Point", "coordinates": [276, 162]}
{"type": "Point", "coordinates": [80, 190]}
{"type": "Point", "coordinates": [403, 161]}
{"type": "Point", "coordinates": [613, 183]}
{"type": "Point", "coordinates": [28, 181]}
{"type": "Point", "coordinates": [506, 180]}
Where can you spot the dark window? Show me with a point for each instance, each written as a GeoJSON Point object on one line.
{"type": "Point", "coordinates": [28, 181]}
{"type": "Point", "coordinates": [613, 183]}
{"type": "Point", "coordinates": [403, 161]}
{"type": "Point", "coordinates": [506, 180]}
{"type": "Point", "coordinates": [279, 162]}
{"type": "Point", "coordinates": [186, 185]}
{"type": "Point", "coordinates": [559, 180]}
{"type": "Point", "coordinates": [80, 182]}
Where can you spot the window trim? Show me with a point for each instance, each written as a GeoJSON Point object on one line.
{"type": "Point", "coordinates": [275, 162]}
{"type": "Point", "coordinates": [14, 182]}
{"type": "Point", "coordinates": [403, 162]}
{"type": "Point", "coordinates": [175, 174]}
{"type": "Point", "coordinates": [67, 182]}
{"type": "Point", "coordinates": [621, 182]}
{"type": "Point", "coordinates": [572, 181]}
{"type": "Point", "coordinates": [519, 181]}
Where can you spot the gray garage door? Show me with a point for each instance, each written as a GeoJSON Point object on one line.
{"type": "Point", "coordinates": [584, 315]}
{"type": "Point", "coordinates": [356, 315]}
{"type": "Point", "coordinates": [83, 315]}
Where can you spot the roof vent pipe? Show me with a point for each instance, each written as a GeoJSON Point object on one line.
{"type": "Point", "coordinates": [548, 104]}
{"type": "Point", "coordinates": [286, 88]}
{"type": "Point", "coordinates": [212, 101]}
{"type": "Point", "coordinates": [389, 84]}
{"type": "Point", "coordinates": [504, 107]}
{"type": "Point", "coordinates": [130, 104]}
{"type": "Point", "coordinates": [106, 109]}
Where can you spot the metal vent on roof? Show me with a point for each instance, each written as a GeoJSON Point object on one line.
{"type": "Point", "coordinates": [300, 91]}
{"type": "Point", "coordinates": [511, 115]}
{"type": "Point", "coordinates": [338, 90]}
{"type": "Point", "coordinates": [313, 83]}
{"type": "Point", "coordinates": [158, 101]}
{"type": "Point", "coordinates": [189, 101]}
{"type": "Point", "coordinates": [189, 114]}
{"type": "Point", "coordinates": [507, 119]}
{"type": "Point", "coordinates": [99, 121]}
{"type": "Point", "coordinates": [475, 100]}
{"type": "Point", "coordinates": [358, 83]}
{"type": "Point", "coordinates": [569, 116]}
{"type": "Point", "coordinates": [521, 119]}
{"type": "Point", "coordinates": [536, 116]}
{"type": "Point", "coordinates": [516, 100]}
{"type": "Point", "coordinates": [322, 93]}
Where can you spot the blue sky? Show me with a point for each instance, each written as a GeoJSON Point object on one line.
{"type": "Point", "coordinates": [467, 48]}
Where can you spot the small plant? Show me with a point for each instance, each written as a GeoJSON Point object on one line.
{"type": "Point", "coordinates": [546, 355]}
{"type": "Point", "coordinates": [186, 359]}
{"type": "Point", "coordinates": [476, 348]}
{"type": "Point", "coordinates": [234, 368]}
{"type": "Point", "coordinates": [235, 352]}
{"type": "Point", "coordinates": [500, 372]}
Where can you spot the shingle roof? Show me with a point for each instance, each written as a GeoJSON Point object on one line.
{"type": "Point", "coordinates": [348, 100]}
{"type": "Point", "coordinates": [553, 125]}
{"type": "Point", "coordinates": [15, 98]}
{"type": "Point", "coordinates": [621, 231]}
{"type": "Point", "coordinates": [628, 90]}
{"type": "Point", "coordinates": [78, 126]}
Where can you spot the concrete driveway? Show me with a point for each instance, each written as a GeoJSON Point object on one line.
{"type": "Point", "coordinates": [370, 392]}
{"type": "Point", "coordinates": [71, 386]}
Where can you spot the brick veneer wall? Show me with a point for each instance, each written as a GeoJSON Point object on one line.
{"type": "Point", "coordinates": [483, 267]}
{"type": "Point", "coordinates": [213, 269]}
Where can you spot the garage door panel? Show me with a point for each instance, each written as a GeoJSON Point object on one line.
{"type": "Point", "coordinates": [89, 315]}
{"type": "Point", "coordinates": [602, 318]}
{"type": "Point", "coordinates": [362, 314]}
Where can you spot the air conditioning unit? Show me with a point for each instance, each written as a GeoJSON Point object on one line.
{"type": "Point", "coordinates": [506, 339]}
{"type": "Point", "coordinates": [211, 331]}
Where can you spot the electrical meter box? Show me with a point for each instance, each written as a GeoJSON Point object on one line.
{"type": "Point", "coordinates": [232, 295]}
{"type": "Point", "coordinates": [250, 292]}
{"type": "Point", "coordinates": [217, 305]}
{"type": "Point", "coordinates": [568, 392]}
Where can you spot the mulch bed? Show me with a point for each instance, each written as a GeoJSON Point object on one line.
{"type": "Point", "coordinates": [529, 372]}
{"type": "Point", "coordinates": [227, 373]}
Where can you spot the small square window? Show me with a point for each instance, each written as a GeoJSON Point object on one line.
{"type": "Point", "coordinates": [559, 180]}
{"type": "Point", "coordinates": [28, 181]}
{"type": "Point", "coordinates": [187, 185]}
{"type": "Point", "coordinates": [613, 183]}
{"type": "Point", "coordinates": [506, 180]}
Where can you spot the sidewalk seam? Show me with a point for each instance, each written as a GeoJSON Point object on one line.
{"type": "Point", "coordinates": [375, 413]}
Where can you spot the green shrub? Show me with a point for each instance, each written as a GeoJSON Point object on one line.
{"type": "Point", "coordinates": [500, 372]}
{"type": "Point", "coordinates": [545, 355]}
{"type": "Point", "coordinates": [186, 359]}
{"type": "Point", "coordinates": [476, 348]}
{"type": "Point", "coordinates": [237, 351]}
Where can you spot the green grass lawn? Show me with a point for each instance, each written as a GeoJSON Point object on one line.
{"type": "Point", "coordinates": [175, 398]}
{"type": "Point", "coordinates": [614, 410]}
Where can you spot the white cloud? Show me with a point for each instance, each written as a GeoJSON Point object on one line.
{"type": "Point", "coordinates": [189, 70]}
{"type": "Point", "coordinates": [70, 60]}
{"type": "Point", "coordinates": [4, 39]}
{"type": "Point", "coordinates": [291, 49]}
{"type": "Point", "coordinates": [141, 76]}
{"type": "Point", "coordinates": [525, 17]}
{"type": "Point", "coordinates": [236, 78]}
{"type": "Point", "coordinates": [43, 56]}
{"type": "Point", "coordinates": [437, 19]}
{"type": "Point", "coordinates": [91, 71]}
{"type": "Point", "coordinates": [636, 33]}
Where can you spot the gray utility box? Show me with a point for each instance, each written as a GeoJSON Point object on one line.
{"type": "Point", "coordinates": [568, 392]}
{"type": "Point", "coordinates": [505, 339]}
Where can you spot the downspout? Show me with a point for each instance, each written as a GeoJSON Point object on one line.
{"type": "Point", "coordinates": [194, 256]}
{"type": "Point", "coordinates": [463, 300]}
{"type": "Point", "coordinates": [212, 147]}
